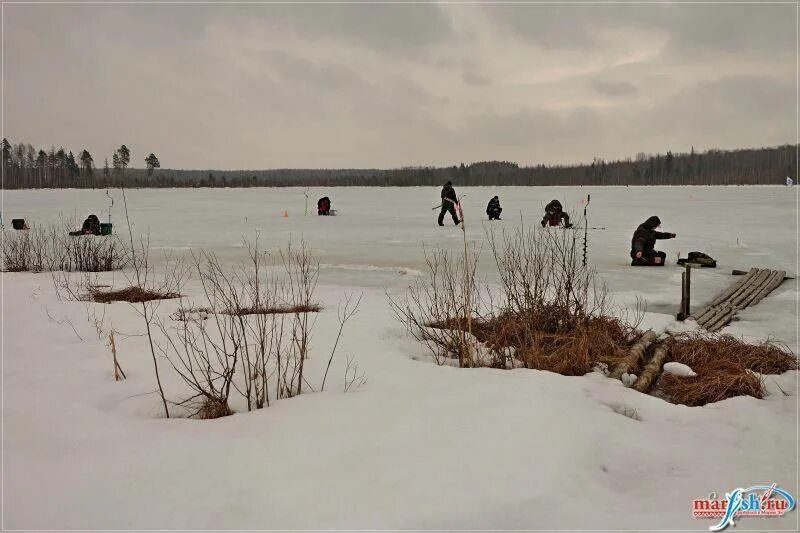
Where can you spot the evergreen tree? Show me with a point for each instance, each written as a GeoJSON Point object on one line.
{"type": "Point", "coordinates": [152, 162]}
{"type": "Point", "coordinates": [6, 160]}
{"type": "Point", "coordinates": [124, 158]}
{"type": "Point", "coordinates": [87, 163]}
{"type": "Point", "coordinates": [72, 168]}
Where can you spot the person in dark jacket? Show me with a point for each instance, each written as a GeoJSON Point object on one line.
{"type": "Point", "coordinates": [324, 206]}
{"type": "Point", "coordinates": [643, 244]}
{"type": "Point", "coordinates": [449, 203]}
{"type": "Point", "coordinates": [91, 226]}
{"type": "Point", "coordinates": [554, 215]}
{"type": "Point", "coordinates": [494, 209]}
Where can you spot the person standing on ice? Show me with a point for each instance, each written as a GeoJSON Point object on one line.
{"type": "Point", "coordinates": [449, 203]}
{"type": "Point", "coordinates": [644, 241]}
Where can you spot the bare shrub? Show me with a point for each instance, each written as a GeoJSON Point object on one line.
{"type": "Point", "coordinates": [353, 377]}
{"type": "Point", "coordinates": [541, 269]}
{"type": "Point", "coordinates": [552, 313]}
{"type": "Point", "coordinates": [344, 313]}
{"type": "Point", "coordinates": [302, 275]}
{"type": "Point", "coordinates": [144, 278]}
{"type": "Point", "coordinates": [432, 305]}
{"type": "Point", "coordinates": [49, 247]}
{"type": "Point", "coordinates": [236, 349]}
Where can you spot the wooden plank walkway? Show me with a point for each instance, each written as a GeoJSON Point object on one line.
{"type": "Point", "coordinates": [746, 292]}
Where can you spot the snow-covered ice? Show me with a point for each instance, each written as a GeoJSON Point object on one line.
{"type": "Point", "coordinates": [418, 445]}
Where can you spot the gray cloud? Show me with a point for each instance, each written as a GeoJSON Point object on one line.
{"type": "Point", "coordinates": [473, 78]}
{"type": "Point", "coordinates": [614, 88]}
{"type": "Point", "coordinates": [255, 86]}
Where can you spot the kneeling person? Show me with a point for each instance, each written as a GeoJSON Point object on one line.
{"type": "Point", "coordinates": [91, 226]}
{"type": "Point", "coordinates": [643, 244]}
{"type": "Point", "coordinates": [494, 209]}
{"type": "Point", "coordinates": [324, 206]}
{"type": "Point", "coordinates": [554, 215]}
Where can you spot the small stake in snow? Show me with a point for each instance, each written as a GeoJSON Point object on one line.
{"type": "Point", "coordinates": [117, 369]}
{"type": "Point", "coordinates": [686, 292]}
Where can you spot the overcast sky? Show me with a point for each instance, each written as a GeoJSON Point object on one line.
{"type": "Point", "coordinates": [371, 85]}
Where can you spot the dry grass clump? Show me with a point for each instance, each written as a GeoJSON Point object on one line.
{"type": "Point", "coordinates": [767, 357]}
{"type": "Point", "coordinates": [550, 338]}
{"type": "Point", "coordinates": [273, 310]}
{"type": "Point", "coordinates": [711, 385]}
{"type": "Point", "coordinates": [554, 339]}
{"type": "Point", "coordinates": [213, 408]}
{"type": "Point", "coordinates": [131, 295]}
{"type": "Point", "coordinates": [725, 367]}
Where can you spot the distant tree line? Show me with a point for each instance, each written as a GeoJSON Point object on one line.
{"type": "Point", "coordinates": [25, 167]}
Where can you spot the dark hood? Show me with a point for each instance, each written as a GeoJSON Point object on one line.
{"type": "Point", "coordinates": [652, 222]}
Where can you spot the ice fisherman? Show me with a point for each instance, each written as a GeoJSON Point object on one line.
{"type": "Point", "coordinates": [324, 206]}
{"type": "Point", "coordinates": [643, 244]}
{"type": "Point", "coordinates": [449, 203]}
{"type": "Point", "coordinates": [493, 209]}
{"type": "Point", "coordinates": [91, 226]}
{"type": "Point", "coordinates": [554, 215]}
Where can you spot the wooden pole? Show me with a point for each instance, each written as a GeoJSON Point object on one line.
{"type": "Point", "coordinates": [688, 290]}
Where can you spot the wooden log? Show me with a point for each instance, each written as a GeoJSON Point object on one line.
{"type": "Point", "coordinates": [721, 319]}
{"type": "Point", "coordinates": [705, 314]}
{"type": "Point", "coordinates": [754, 286]}
{"type": "Point", "coordinates": [713, 308]}
{"type": "Point", "coordinates": [725, 294]}
{"type": "Point", "coordinates": [737, 272]}
{"type": "Point", "coordinates": [713, 314]}
{"type": "Point", "coordinates": [653, 369]}
{"type": "Point", "coordinates": [759, 281]}
{"type": "Point", "coordinates": [631, 362]}
{"type": "Point", "coordinates": [710, 313]}
{"type": "Point", "coordinates": [774, 282]}
{"type": "Point", "coordinates": [765, 282]}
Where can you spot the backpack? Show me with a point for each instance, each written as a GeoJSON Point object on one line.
{"type": "Point", "coordinates": [699, 258]}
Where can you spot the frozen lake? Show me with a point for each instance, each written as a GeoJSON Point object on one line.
{"type": "Point", "coordinates": [386, 227]}
{"type": "Point", "coordinates": [377, 238]}
{"type": "Point", "coordinates": [418, 446]}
